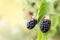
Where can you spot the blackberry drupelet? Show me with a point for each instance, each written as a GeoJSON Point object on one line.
{"type": "Point", "coordinates": [31, 23]}
{"type": "Point", "coordinates": [45, 25]}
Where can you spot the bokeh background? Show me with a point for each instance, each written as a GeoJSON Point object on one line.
{"type": "Point", "coordinates": [13, 19]}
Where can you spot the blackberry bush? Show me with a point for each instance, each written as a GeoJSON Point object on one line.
{"type": "Point", "coordinates": [31, 23]}
{"type": "Point", "coordinates": [45, 25]}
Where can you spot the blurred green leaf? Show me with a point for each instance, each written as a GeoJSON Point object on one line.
{"type": "Point", "coordinates": [43, 10]}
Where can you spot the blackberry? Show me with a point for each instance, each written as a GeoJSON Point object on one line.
{"type": "Point", "coordinates": [45, 25]}
{"type": "Point", "coordinates": [31, 23]}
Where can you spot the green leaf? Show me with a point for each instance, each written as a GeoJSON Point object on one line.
{"type": "Point", "coordinates": [43, 9]}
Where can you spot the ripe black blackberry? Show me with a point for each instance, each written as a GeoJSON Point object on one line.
{"type": "Point", "coordinates": [45, 25]}
{"type": "Point", "coordinates": [31, 23]}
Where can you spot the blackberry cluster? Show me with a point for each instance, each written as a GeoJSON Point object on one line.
{"type": "Point", "coordinates": [31, 24]}
{"type": "Point", "coordinates": [45, 25]}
